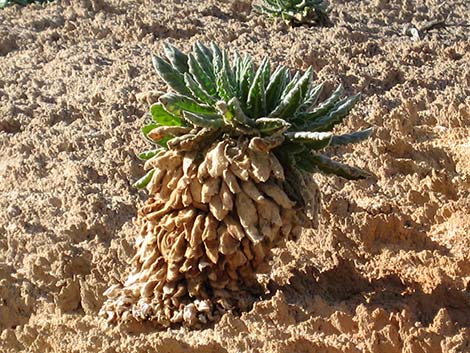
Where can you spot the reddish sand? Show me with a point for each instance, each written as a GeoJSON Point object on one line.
{"type": "Point", "coordinates": [388, 270]}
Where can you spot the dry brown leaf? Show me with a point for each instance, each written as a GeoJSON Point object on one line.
{"type": "Point", "coordinates": [260, 168]}
{"type": "Point", "coordinates": [236, 259]}
{"type": "Point", "coordinates": [212, 250]}
{"type": "Point", "coordinates": [210, 230]}
{"type": "Point", "coordinates": [248, 216]}
{"type": "Point", "coordinates": [196, 190]}
{"type": "Point", "coordinates": [161, 131]}
{"type": "Point", "coordinates": [234, 228]}
{"type": "Point", "coordinates": [210, 187]}
{"type": "Point", "coordinates": [265, 144]}
{"type": "Point", "coordinates": [173, 272]}
{"type": "Point", "coordinates": [228, 244]}
{"type": "Point", "coordinates": [186, 197]}
{"type": "Point", "coordinates": [226, 197]}
{"type": "Point", "coordinates": [202, 172]}
{"type": "Point", "coordinates": [246, 247]}
{"type": "Point", "coordinates": [252, 191]}
{"type": "Point", "coordinates": [156, 182]}
{"type": "Point", "coordinates": [231, 181]}
{"type": "Point", "coordinates": [240, 167]}
{"type": "Point", "coordinates": [277, 194]}
{"type": "Point", "coordinates": [276, 167]}
{"type": "Point", "coordinates": [197, 230]}
{"type": "Point", "coordinates": [216, 161]}
{"type": "Point", "coordinates": [216, 208]}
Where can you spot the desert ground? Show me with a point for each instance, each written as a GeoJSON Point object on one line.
{"type": "Point", "coordinates": [388, 269]}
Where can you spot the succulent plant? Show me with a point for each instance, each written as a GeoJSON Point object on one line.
{"type": "Point", "coordinates": [4, 3]}
{"type": "Point", "coordinates": [296, 12]}
{"type": "Point", "coordinates": [229, 178]}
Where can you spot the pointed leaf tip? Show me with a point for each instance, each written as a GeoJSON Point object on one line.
{"type": "Point", "coordinates": [143, 182]}
{"type": "Point", "coordinates": [354, 137]}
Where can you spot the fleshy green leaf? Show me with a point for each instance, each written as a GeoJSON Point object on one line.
{"type": "Point", "coordinates": [236, 68]}
{"type": "Point", "coordinates": [143, 182]}
{"type": "Point", "coordinates": [164, 141]}
{"type": "Point", "coordinates": [276, 85]}
{"type": "Point", "coordinates": [238, 114]}
{"type": "Point", "coordinates": [227, 69]}
{"type": "Point", "coordinates": [311, 98]}
{"type": "Point", "coordinates": [245, 80]}
{"type": "Point", "coordinates": [292, 81]}
{"type": "Point", "coordinates": [313, 163]}
{"type": "Point", "coordinates": [312, 140]}
{"type": "Point", "coordinates": [175, 104]}
{"type": "Point", "coordinates": [216, 56]}
{"type": "Point", "coordinates": [177, 58]}
{"type": "Point", "coordinates": [271, 126]}
{"type": "Point", "coordinates": [197, 91]}
{"type": "Point", "coordinates": [162, 117]}
{"type": "Point", "coordinates": [206, 81]}
{"type": "Point", "coordinates": [202, 66]}
{"type": "Point", "coordinates": [210, 93]}
{"type": "Point", "coordinates": [293, 148]}
{"type": "Point", "coordinates": [200, 48]}
{"type": "Point", "coordinates": [171, 76]}
{"type": "Point", "coordinates": [335, 116]}
{"type": "Point", "coordinates": [323, 108]}
{"type": "Point", "coordinates": [146, 155]}
{"type": "Point", "coordinates": [351, 138]}
{"type": "Point", "coordinates": [149, 127]}
{"type": "Point", "coordinates": [292, 100]}
{"type": "Point", "coordinates": [213, 121]}
{"type": "Point", "coordinates": [225, 79]}
{"type": "Point", "coordinates": [294, 12]}
{"type": "Point", "coordinates": [256, 102]}
{"type": "Point", "coordinates": [146, 129]}
{"type": "Point", "coordinates": [288, 151]}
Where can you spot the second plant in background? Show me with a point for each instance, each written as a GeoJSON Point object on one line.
{"type": "Point", "coordinates": [296, 12]}
{"type": "Point", "coordinates": [4, 3]}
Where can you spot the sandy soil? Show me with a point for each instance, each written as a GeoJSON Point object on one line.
{"type": "Point", "coordinates": [387, 271]}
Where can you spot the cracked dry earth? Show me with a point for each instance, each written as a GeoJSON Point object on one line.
{"type": "Point", "coordinates": [388, 270]}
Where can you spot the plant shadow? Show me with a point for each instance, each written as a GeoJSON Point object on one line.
{"type": "Point", "coordinates": [344, 284]}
